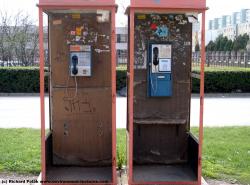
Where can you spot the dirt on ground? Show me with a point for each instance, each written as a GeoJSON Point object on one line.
{"type": "Point", "coordinates": [15, 178]}
{"type": "Point", "coordinates": [121, 179]}
{"type": "Point", "coordinates": [218, 182]}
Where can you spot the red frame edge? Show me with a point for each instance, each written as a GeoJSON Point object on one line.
{"type": "Point", "coordinates": [131, 94]}
{"type": "Point", "coordinates": [42, 106]}
{"type": "Point", "coordinates": [42, 100]}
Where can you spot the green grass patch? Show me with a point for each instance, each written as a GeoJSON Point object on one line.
{"type": "Point", "coordinates": [226, 152]}
{"type": "Point", "coordinates": [20, 150]}
{"type": "Point", "coordinates": [220, 68]}
{"type": "Point", "coordinates": [121, 148]}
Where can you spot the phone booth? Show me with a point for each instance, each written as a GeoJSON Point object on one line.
{"type": "Point", "coordinates": [80, 146]}
{"type": "Point", "coordinates": [162, 149]}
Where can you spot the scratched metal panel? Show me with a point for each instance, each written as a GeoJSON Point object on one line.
{"type": "Point", "coordinates": [81, 124]}
{"type": "Point", "coordinates": [162, 143]}
{"type": "Point", "coordinates": [94, 33]}
{"type": "Point", "coordinates": [82, 130]}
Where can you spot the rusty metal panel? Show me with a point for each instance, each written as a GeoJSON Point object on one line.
{"type": "Point", "coordinates": [166, 142]}
{"type": "Point", "coordinates": [160, 144]}
{"type": "Point", "coordinates": [62, 34]}
{"type": "Point", "coordinates": [82, 129]}
{"type": "Point", "coordinates": [81, 107]}
{"type": "Point", "coordinates": [195, 4]}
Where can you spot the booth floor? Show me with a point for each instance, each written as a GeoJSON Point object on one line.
{"type": "Point", "coordinates": [160, 173]}
{"type": "Point", "coordinates": [79, 174]}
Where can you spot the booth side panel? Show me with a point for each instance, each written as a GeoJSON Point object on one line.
{"type": "Point", "coordinates": [81, 106]}
{"type": "Point", "coordinates": [168, 142]}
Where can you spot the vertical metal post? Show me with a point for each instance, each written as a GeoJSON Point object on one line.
{"type": "Point", "coordinates": [131, 94]}
{"type": "Point", "coordinates": [203, 58]}
{"type": "Point", "coordinates": [113, 69]}
{"type": "Point", "coordinates": [42, 108]}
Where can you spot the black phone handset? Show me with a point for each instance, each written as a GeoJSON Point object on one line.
{"type": "Point", "coordinates": [156, 63]}
{"type": "Point", "coordinates": [156, 56]}
{"type": "Point", "coordinates": [74, 63]}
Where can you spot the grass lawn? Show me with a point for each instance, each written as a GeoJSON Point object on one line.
{"type": "Point", "coordinates": [226, 152]}
{"type": "Point", "coordinates": [220, 68]}
{"type": "Point", "coordinates": [20, 150]}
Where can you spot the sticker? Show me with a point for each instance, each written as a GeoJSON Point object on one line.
{"type": "Point", "coordinates": [102, 16]}
{"type": "Point", "coordinates": [57, 22]}
{"type": "Point", "coordinates": [78, 31]}
{"type": "Point", "coordinates": [182, 22]}
{"type": "Point", "coordinates": [171, 17]}
{"type": "Point", "coordinates": [141, 17]}
{"type": "Point", "coordinates": [68, 42]}
{"type": "Point", "coordinates": [162, 31]}
{"type": "Point", "coordinates": [75, 48]}
{"type": "Point", "coordinates": [153, 26]}
{"type": "Point", "coordinates": [78, 38]}
{"type": "Point", "coordinates": [76, 16]}
{"type": "Point", "coordinates": [187, 43]}
{"type": "Point", "coordinates": [102, 51]}
{"type": "Point", "coordinates": [85, 33]}
{"type": "Point", "coordinates": [78, 48]}
{"type": "Point", "coordinates": [73, 33]}
{"type": "Point", "coordinates": [178, 17]}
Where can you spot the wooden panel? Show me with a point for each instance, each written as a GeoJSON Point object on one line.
{"type": "Point", "coordinates": [157, 143]}
{"type": "Point", "coordinates": [160, 144]}
{"type": "Point", "coordinates": [169, 3]}
{"type": "Point", "coordinates": [93, 33]}
{"type": "Point", "coordinates": [82, 129]}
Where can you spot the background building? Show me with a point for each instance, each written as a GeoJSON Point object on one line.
{"type": "Point", "coordinates": [230, 26]}
{"type": "Point", "coordinates": [121, 45]}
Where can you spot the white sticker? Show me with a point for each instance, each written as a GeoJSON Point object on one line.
{"type": "Point", "coordinates": [102, 16]}
{"type": "Point", "coordinates": [57, 22]}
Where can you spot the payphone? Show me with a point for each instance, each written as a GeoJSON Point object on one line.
{"type": "Point", "coordinates": [159, 70]}
{"type": "Point", "coordinates": [80, 60]}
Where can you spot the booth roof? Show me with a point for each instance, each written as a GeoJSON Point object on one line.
{"type": "Point", "coordinates": [76, 3]}
{"type": "Point", "coordinates": [195, 4]}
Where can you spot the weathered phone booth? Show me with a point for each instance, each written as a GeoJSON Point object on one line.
{"type": "Point", "coordinates": [162, 150]}
{"type": "Point", "coordinates": [80, 146]}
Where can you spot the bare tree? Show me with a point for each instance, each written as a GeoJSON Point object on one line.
{"type": "Point", "coordinates": [18, 40]}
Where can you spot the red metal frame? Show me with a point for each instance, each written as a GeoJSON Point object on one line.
{"type": "Point", "coordinates": [41, 49]}
{"type": "Point", "coordinates": [170, 3]}
{"type": "Point", "coordinates": [170, 7]}
{"type": "Point", "coordinates": [77, 2]}
{"type": "Point", "coordinates": [44, 6]}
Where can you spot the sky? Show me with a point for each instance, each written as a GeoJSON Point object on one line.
{"type": "Point", "coordinates": [217, 8]}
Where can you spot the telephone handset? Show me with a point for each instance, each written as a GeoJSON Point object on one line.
{"type": "Point", "coordinates": [74, 65]}
{"type": "Point", "coordinates": [156, 56]}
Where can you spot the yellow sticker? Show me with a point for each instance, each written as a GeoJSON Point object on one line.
{"type": "Point", "coordinates": [141, 17]}
{"type": "Point", "coordinates": [76, 16]}
{"type": "Point", "coordinates": [57, 22]}
{"type": "Point", "coordinates": [78, 31]}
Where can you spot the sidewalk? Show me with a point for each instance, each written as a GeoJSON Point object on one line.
{"type": "Point", "coordinates": [219, 110]}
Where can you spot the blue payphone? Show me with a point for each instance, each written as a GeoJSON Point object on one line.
{"type": "Point", "coordinates": [159, 70]}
